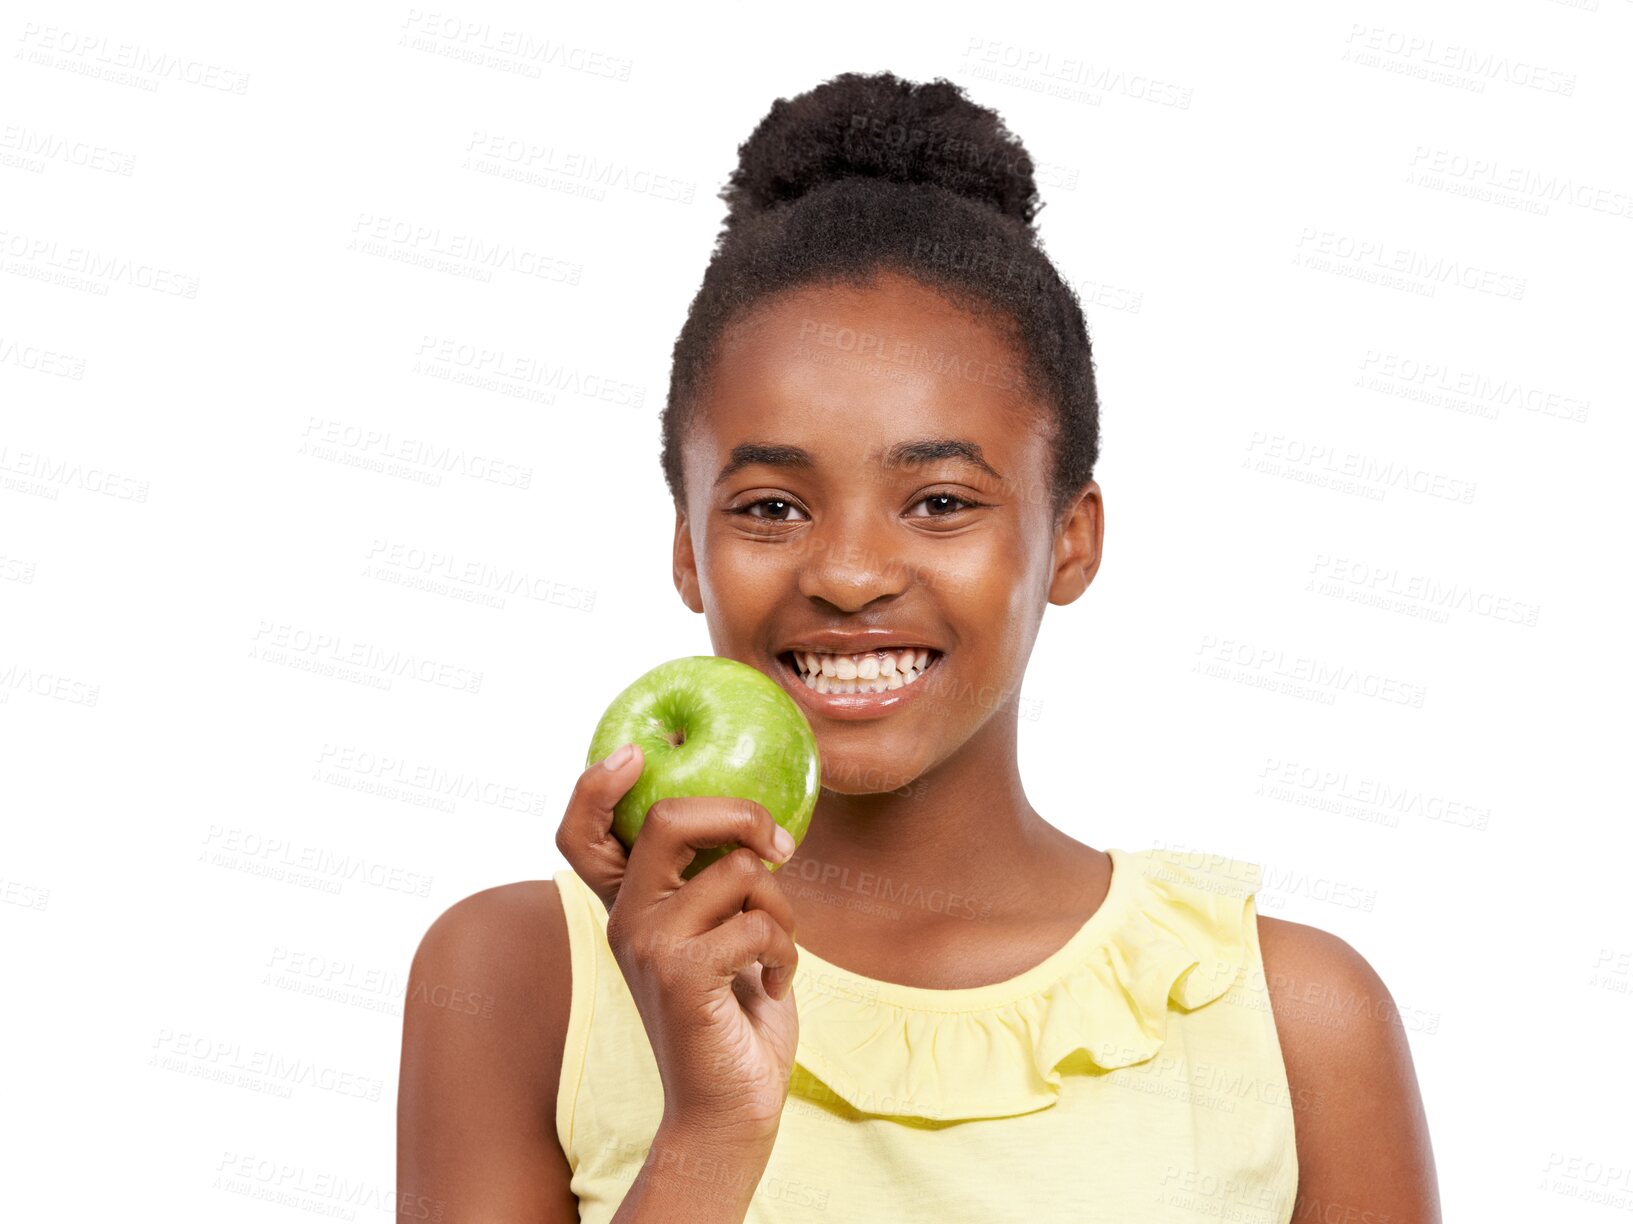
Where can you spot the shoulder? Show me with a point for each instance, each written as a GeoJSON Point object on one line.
{"type": "Point", "coordinates": [1362, 1136]}
{"type": "Point", "coordinates": [501, 956]}
{"type": "Point", "coordinates": [478, 925]}
{"type": "Point", "coordinates": [1334, 1014]}
{"type": "Point", "coordinates": [484, 1023]}
{"type": "Point", "coordinates": [1311, 972]}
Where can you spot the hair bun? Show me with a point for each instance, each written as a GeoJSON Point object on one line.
{"type": "Point", "coordinates": [880, 126]}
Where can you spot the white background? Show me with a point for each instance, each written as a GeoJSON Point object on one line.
{"type": "Point", "coordinates": [208, 264]}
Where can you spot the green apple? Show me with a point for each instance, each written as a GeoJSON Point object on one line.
{"type": "Point", "coordinates": [708, 725]}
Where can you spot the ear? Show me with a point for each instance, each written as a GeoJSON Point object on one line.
{"type": "Point", "coordinates": [1077, 546]}
{"type": "Point", "coordinates": [686, 564]}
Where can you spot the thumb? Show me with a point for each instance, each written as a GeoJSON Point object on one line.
{"type": "Point", "coordinates": [585, 837]}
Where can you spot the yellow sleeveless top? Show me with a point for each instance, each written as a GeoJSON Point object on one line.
{"type": "Point", "coordinates": [1133, 1076]}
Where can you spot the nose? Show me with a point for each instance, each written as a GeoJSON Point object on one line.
{"type": "Point", "coordinates": [854, 558]}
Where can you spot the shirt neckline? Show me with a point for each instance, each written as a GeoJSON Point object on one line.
{"type": "Point", "coordinates": [1119, 891]}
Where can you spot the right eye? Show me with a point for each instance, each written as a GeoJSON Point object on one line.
{"type": "Point", "coordinates": [768, 501]}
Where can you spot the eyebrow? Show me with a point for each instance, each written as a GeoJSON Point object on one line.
{"type": "Point", "coordinates": [920, 450]}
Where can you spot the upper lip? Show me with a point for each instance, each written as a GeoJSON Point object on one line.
{"type": "Point", "coordinates": [857, 641]}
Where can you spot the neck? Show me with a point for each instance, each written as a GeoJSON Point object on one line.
{"type": "Point", "coordinates": [961, 835]}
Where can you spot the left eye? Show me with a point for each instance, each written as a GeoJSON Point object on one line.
{"type": "Point", "coordinates": [963, 503]}
{"type": "Point", "coordinates": [768, 501]}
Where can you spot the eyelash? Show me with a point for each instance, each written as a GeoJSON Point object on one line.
{"type": "Point", "coordinates": [967, 504]}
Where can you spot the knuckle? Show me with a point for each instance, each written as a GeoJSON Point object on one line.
{"type": "Point", "coordinates": [748, 815]}
{"type": "Point", "coordinates": [758, 925]}
{"type": "Point", "coordinates": [745, 862]}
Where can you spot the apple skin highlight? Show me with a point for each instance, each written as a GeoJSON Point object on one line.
{"type": "Point", "coordinates": [709, 725]}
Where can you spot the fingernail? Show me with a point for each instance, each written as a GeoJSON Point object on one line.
{"type": "Point", "coordinates": [783, 841]}
{"type": "Point", "coordinates": [619, 757]}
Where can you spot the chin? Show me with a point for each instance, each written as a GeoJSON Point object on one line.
{"type": "Point", "coordinates": [845, 773]}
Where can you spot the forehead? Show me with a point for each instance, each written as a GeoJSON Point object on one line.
{"type": "Point", "coordinates": [845, 371]}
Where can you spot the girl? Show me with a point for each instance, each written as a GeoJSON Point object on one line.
{"type": "Point", "coordinates": [880, 441]}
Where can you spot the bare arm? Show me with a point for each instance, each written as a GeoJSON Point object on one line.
{"type": "Point", "coordinates": [484, 1022]}
{"type": "Point", "coordinates": [1363, 1138]}
{"type": "Point", "coordinates": [484, 1026]}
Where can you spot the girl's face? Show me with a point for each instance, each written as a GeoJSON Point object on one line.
{"type": "Point", "coordinates": [800, 521]}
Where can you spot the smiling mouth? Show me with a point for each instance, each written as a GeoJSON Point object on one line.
{"type": "Point", "coordinates": [874, 671]}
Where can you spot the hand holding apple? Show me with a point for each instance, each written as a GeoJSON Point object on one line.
{"type": "Point", "coordinates": [709, 963]}
{"type": "Point", "coordinates": [712, 726]}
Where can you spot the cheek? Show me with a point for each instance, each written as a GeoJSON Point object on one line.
{"type": "Point", "coordinates": [743, 575]}
{"type": "Point", "coordinates": [976, 574]}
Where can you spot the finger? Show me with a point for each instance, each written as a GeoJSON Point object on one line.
{"type": "Point", "coordinates": [675, 829]}
{"type": "Point", "coordinates": [726, 888]}
{"type": "Point", "coordinates": [585, 836]}
{"type": "Point", "coordinates": [752, 936]}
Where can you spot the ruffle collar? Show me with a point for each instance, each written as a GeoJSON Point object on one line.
{"type": "Point", "coordinates": [1172, 929]}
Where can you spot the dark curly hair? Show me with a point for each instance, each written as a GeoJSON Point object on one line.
{"type": "Point", "coordinates": [866, 173]}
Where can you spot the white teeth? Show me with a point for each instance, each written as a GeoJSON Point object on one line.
{"type": "Point", "coordinates": [871, 674]}
{"type": "Point", "coordinates": [875, 672]}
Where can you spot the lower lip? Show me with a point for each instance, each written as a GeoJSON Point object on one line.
{"type": "Point", "coordinates": [853, 705]}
